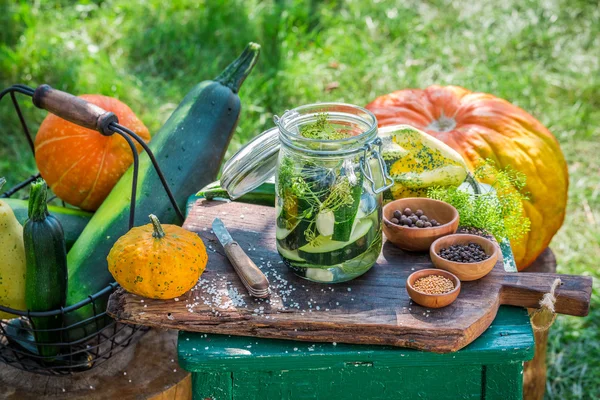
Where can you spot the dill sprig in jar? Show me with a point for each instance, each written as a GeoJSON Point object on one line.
{"type": "Point", "coordinates": [329, 179]}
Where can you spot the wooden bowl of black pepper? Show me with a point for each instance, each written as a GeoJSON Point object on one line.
{"type": "Point", "coordinates": [414, 223]}
{"type": "Point", "coordinates": [470, 257]}
{"type": "Point", "coordinates": [433, 288]}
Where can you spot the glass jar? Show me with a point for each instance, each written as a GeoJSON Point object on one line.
{"type": "Point", "coordinates": [328, 188]}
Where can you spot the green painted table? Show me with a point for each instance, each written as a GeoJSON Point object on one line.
{"type": "Point", "coordinates": [235, 367]}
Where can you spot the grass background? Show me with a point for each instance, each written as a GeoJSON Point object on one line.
{"type": "Point", "coordinates": [542, 55]}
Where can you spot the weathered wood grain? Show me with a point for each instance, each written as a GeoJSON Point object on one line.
{"type": "Point", "coordinates": [372, 309]}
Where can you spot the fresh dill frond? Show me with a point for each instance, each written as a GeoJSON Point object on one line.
{"type": "Point", "coordinates": [501, 213]}
{"type": "Point", "coordinates": [321, 129]}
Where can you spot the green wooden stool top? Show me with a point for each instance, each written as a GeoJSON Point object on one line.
{"type": "Point", "coordinates": [227, 367]}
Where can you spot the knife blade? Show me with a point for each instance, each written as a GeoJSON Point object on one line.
{"type": "Point", "coordinates": [251, 276]}
{"type": "Point", "coordinates": [508, 258]}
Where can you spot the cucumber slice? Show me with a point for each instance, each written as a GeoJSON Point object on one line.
{"type": "Point", "coordinates": [345, 216]}
{"type": "Point", "coordinates": [291, 255]}
{"type": "Point", "coordinates": [326, 251]}
{"type": "Point", "coordinates": [282, 233]}
{"type": "Point", "coordinates": [293, 238]}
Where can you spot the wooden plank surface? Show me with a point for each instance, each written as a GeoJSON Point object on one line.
{"type": "Point", "coordinates": [372, 309]}
{"type": "Point", "coordinates": [507, 340]}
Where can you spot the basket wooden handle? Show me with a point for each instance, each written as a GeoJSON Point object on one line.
{"type": "Point", "coordinates": [74, 109]}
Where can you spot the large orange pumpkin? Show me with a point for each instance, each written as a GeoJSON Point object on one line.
{"type": "Point", "coordinates": [81, 165]}
{"type": "Point", "coordinates": [480, 126]}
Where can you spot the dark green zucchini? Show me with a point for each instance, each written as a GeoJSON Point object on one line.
{"type": "Point", "coordinates": [263, 195]}
{"type": "Point", "coordinates": [189, 149]}
{"type": "Point", "coordinates": [46, 277]}
{"type": "Point", "coordinates": [72, 220]}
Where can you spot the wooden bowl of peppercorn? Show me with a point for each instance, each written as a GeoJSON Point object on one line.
{"type": "Point", "coordinates": [414, 223]}
{"type": "Point", "coordinates": [470, 257]}
{"type": "Point", "coordinates": [438, 292]}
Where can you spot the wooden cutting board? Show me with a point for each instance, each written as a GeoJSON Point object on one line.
{"type": "Point", "coordinates": [371, 309]}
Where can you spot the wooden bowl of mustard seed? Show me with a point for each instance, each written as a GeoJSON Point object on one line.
{"type": "Point", "coordinates": [433, 288]}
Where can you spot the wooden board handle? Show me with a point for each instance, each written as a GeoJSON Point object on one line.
{"type": "Point", "coordinates": [527, 289]}
{"type": "Point", "coordinates": [245, 267]}
{"type": "Point", "coordinates": [74, 109]}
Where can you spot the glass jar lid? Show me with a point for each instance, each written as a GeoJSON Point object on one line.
{"type": "Point", "coordinates": [256, 162]}
{"type": "Point", "coordinates": [252, 165]}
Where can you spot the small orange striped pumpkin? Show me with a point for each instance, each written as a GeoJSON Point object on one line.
{"type": "Point", "coordinates": [80, 165]}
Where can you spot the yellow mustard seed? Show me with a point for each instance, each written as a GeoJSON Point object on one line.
{"type": "Point", "coordinates": [433, 284]}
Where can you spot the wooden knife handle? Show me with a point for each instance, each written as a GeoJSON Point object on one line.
{"type": "Point", "coordinates": [74, 109]}
{"type": "Point", "coordinates": [245, 267]}
{"type": "Point", "coordinates": [527, 289]}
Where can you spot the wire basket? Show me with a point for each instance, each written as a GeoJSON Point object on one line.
{"type": "Point", "coordinates": [102, 336]}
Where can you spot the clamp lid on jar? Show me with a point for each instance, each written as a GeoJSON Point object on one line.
{"type": "Point", "coordinates": [256, 162]}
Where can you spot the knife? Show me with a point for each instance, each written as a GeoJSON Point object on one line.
{"type": "Point", "coordinates": [252, 277]}
{"type": "Point", "coordinates": [508, 258]}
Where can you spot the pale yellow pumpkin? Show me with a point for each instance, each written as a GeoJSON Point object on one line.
{"type": "Point", "coordinates": [12, 261]}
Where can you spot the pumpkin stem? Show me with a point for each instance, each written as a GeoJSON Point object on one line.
{"type": "Point", "coordinates": [2, 182]}
{"type": "Point", "coordinates": [38, 208]}
{"type": "Point", "coordinates": [158, 230]}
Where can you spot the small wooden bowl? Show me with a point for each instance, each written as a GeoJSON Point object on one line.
{"type": "Point", "coordinates": [419, 239]}
{"type": "Point", "coordinates": [432, 300]}
{"type": "Point", "coordinates": [465, 271]}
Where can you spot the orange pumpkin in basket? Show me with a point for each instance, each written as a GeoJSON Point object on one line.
{"type": "Point", "coordinates": [480, 126]}
{"type": "Point", "coordinates": [81, 165]}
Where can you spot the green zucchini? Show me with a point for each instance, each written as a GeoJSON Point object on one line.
{"type": "Point", "coordinates": [326, 251]}
{"type": "Point", "coordinates": [263, 195]}
{"type": "Point", "coordinates": [72, 220]}
{"type": "Point", "coordinates": [189, 149]}
{"type": "Point", "coordinates": [46, 277]}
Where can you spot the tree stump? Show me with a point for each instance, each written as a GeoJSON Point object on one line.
{"type": "Point", "coordinates": [534, 375]}
{"type": "Point", "coordinates": [146, 370]}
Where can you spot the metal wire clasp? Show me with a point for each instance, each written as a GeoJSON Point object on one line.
{"type": "Point", "coordinates": [365, 166]}
{"type": "Point", "coordinates": [287, 115]}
